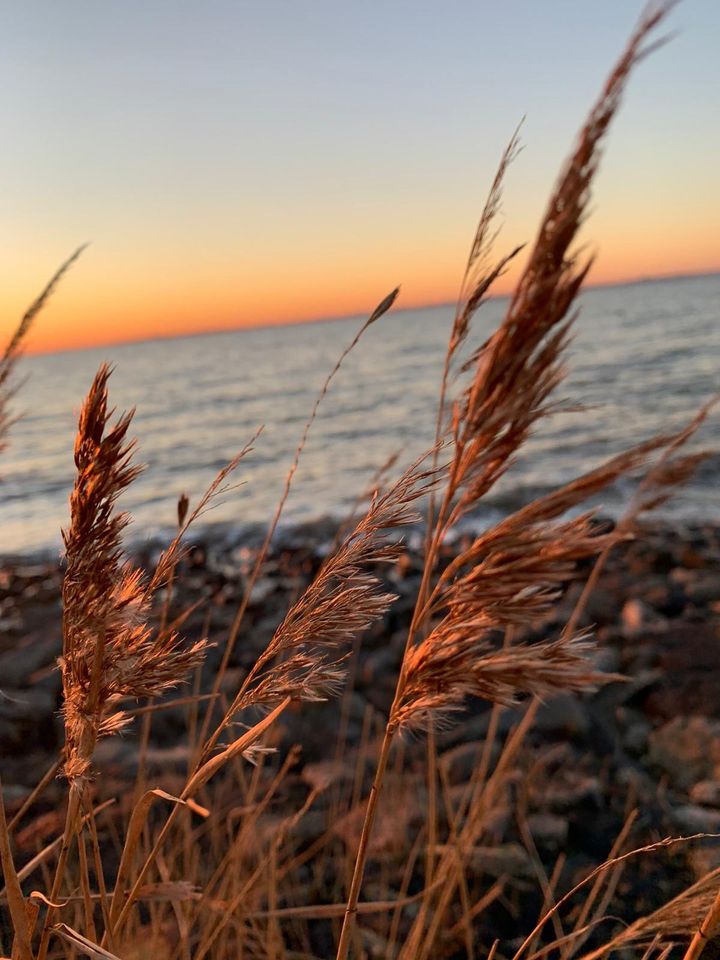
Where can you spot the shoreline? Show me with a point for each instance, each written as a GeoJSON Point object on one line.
{"type": "Point", "coordinates": [224, 536]}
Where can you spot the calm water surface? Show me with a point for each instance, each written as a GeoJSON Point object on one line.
{"type": "Point", "coordinates": [645, 356]}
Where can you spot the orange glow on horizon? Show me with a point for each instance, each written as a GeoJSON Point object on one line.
{"type": "Point", "coordinates": [230, 174]}
{"type": "Point", "coordinates": [102, 307]}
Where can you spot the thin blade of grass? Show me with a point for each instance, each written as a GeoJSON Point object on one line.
{"type": "Point", "coordinates": [16, 901]}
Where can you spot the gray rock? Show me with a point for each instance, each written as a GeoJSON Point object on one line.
{"type": "Point", "coordinates": [636, 737]}
{"type": "Point", "coordinates": [564, 714]}
{"type": "Point", "coordinates": [703, 857]}
{"type": "Point", "coordinates": [607, 660]}
{"type": "Point", "coordinates": [703, 589]}
{"type": "Point", "coordinates": [636, 616]}
{"type": "Point", "coordinates": [548, 829]}
{"type": "Point", "coordinates": [506, 859]}
{"type": "Point", "coordinates": [687, 749]}
{"type": "Point", "coordinates": [695, 819]}
{"type": "Point", "coordinates": [22, 706]}
{"type": "Point", "coordinates": [573, 790]}
{"type": "Point", "coordinates": [262, 589]}
{"type": "Point", "coordinates": [706, 792]}
{"type": "Point", "coordinates": [461, 761]}
{"type": "Point", "coordinates": [28, 655]}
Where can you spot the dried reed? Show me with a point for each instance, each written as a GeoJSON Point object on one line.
{"type": "Point", "coordinates": [110, 653]}
{"type": "Point", "coordinates": [514, 375]}
{"type": "Point", "coordinates": [14, 347]}
{"type": "Point", "coordinates": [503, 580]}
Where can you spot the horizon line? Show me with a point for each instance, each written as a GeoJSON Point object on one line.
{"type": "Point", "coordinates": [335, 318]}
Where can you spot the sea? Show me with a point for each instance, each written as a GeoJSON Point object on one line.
{"type": "Point", "coordinates": [644, 357]}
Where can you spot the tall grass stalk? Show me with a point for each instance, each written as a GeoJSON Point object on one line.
{"type": "Point", "coordinates": [15, 345]}
{"type": "Point", "coordinates": [515, 374]}
{"type": "Point", "coordinates": [109, 884]}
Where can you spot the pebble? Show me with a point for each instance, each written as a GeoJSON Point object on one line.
{"type": "Point", "coordinates": [636, 615]}
{"type": "Point", "coordinates": [548, 829]}
{"type": "Point", "coordinates": [635, 739]}
{"type": "Point", "coordinates": [28, 655]}
{"type": "Point", "coordinates": [704, 857]}
{"type": "Point", "coordinates": [656, 737]}
{"type": "Point", "coordinates": [505, 859]}
{"type": "Point", "coordinates": [696, 819]}
{"type": "Point", "coordinates": [687, 749]}
{"type": "Point", "coordinates": [706, 792]}
{"type": "Point", "coordinates": [572, 789]}
{"type": "Point", "coordinates": [563, 715]}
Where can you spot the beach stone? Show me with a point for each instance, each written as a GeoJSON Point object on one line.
{"type": "Point", "coordinates": [687, 749]}
{"type": "Point", "coordinates": [706, 792]}
{"type": "Point", "coordinates": [636, 737]}
{"type": "Point", "coordinates": [574, 790]}
{"type": "Point", "coordinates": [375, 946]}
{"type": "Point", "coordinates": [171, 758]}
{"type": "Point", "coordinates": [586, 751]}
{"type": "Point", "coordinates": [547, 828]}
{"type": "Point", "coordinates": [28, 655]}
{"type": "Point", "coordinates": [696, 819]}
{"type": "Point", "coordinates": [602, 607]}
{"type": "Point", "coordinates": [506, 859]}
{"type": "Point", "coordinates": [565, 715]}
{"type": "Point", "coordinates": [116, 757]}
{"type": "Point", "coordinates": [703, 589]}
{"type": "Point", "coordinates": [11, 623]}
{"type": "Point", "coordinates": [311, 826]}
{"type": "Point", "coordinates": [262, 589]}
{"type": "Point", "coordinates": [636, 615]}
{"type": "Point", "coordinates": [324, 773]}
{"type": "Point", "coordinates": [688, 654]}
{"type": "Point", "coordinates": [394, 822]}
{"type": "Point", "coordinates": [667, 598]}
{"type": "Point", "coordinates": [692, 558]}
{"type": "Point", "coordinates": [476, 727]}
{"type": "Point", "coordinates": [14, 794]}
{"type": "Point", "coordinates": [405, 565]}
{"type": "Point", "coordinates": [606, 659]}
{"type": "Point", "coordinates": [380, 667]}
{"type": "Point", "coordinates": [461, 761]}
{"type": "Point", "coordinates": [28, 705]}
{"type": "Point", "coordinates": [632, 776]}
{"type": "Point", "coordinates": [704, 857]}
{"type": "Point", "coordinates": [663, 560]}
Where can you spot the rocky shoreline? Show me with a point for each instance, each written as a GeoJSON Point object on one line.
{"type": "Point", "coordinates": [651, 743]}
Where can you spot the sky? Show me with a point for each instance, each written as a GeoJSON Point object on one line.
{"type": "Point", "coordinates": [244, 162]}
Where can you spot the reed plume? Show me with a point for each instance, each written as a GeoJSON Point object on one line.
{"type": "Point", "coordinates": [514, 375]}
{"type": "Point", "coordinates": [110, 653]}
{"type": "Point", "coordinates": [516, 580]}
{"type": "Point", "coordinates": [519, 367]}
{"type": "Point", "coordinates": [481, 271]}
{"type": "Point", "coordinates": [510, 575]}
{"type": "Point", "coordinates": [380, 310]}
{"type": "Point", "coordinates": [304, 659]}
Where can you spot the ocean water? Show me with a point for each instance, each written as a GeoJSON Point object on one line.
{"type": "Point", "coordinates": [645, 356]}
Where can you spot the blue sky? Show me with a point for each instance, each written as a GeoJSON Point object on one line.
{"type": "Point", "coordinates": [237, 162]}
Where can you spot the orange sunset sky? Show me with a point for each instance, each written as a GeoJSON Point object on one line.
{"type": "Point", "coordinates": [235, 163]}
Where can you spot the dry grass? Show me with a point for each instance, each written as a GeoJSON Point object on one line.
{"type": "Point", "coordinates": [206, 863]}
{"type": "Point", "coordinates": [15, 345]}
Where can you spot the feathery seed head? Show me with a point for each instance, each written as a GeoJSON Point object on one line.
{"type": "Point", "coordinates": [110, 653]}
